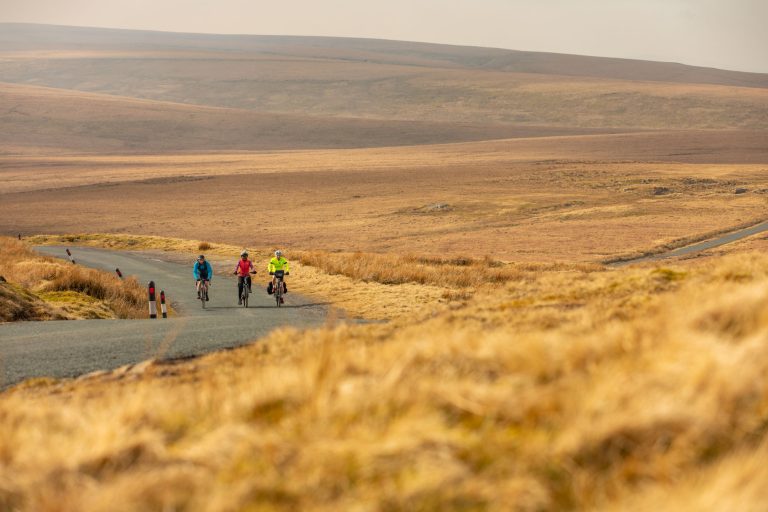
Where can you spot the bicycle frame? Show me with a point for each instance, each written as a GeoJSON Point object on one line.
{"type": "Point", "coordinates": [203, 288]}
{"type": "Point", "coordinates": [279, 276]}
{"type": "Point", "coordinates": [245, 292]}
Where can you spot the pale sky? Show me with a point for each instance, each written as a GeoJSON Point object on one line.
{"type": "Point", "coordinates": [729, 34]}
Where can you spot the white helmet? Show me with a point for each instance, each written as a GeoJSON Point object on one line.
{"type": "Point", "coordinates": [278, 253]}
{"type": "Point", "coordinates": [244, 253]}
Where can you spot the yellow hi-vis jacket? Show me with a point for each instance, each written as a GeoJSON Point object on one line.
{"type": "Point", "coordinates": [278, 264]}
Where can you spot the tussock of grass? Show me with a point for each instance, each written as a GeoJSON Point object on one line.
{"type": "Point", "coordinates": [126, 298]}
{"type": "Point", "coordinates": [71, 291]}
{"type": "Point", "coordinates": [614, 390]}
{"type": "Point", "coordinates": [18, 304]}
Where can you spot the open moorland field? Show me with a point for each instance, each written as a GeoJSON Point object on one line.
{"type": "Point", "coordinates": [39, 120]}
{"type": "Point", "coordinates": [246, 140]}
{"type": "Point", "coordinates": [585, 198]}
{"type": "Point", "coordinates": [505, 367]}
{"type": "Point", "coordinates": [157, 133]}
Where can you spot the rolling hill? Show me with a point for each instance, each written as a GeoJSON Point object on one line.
{"type": "Point", "coordinates": [44, 119]}
{"type": "Point", "coordinates": [31, 37]}
{"type": "Point", "coordinates": [383, 80]}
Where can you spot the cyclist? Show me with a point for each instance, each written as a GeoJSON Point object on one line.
{"type": "Point", "coordinates": [275, 264]}
{"type": "Point", "coordinates": [202, 272]}
{"type": "Point", "coordinates": [243, 270]}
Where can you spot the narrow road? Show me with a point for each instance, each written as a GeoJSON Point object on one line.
{"type": "Point", "coordinates": [727, 238]}
{"type": "Point", "coordinates": [72, 348]}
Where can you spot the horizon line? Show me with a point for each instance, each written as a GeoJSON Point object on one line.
{"type": "Point", "coordinates": [361, 38]}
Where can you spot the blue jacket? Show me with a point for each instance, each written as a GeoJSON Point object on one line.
{"type": "Point", "coordinates": [208, 271]}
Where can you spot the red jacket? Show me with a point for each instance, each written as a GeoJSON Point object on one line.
{"type": "Point", "coordinates": [244, 268]}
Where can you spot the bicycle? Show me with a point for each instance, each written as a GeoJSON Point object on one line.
{"type": "Point", "coordinates": [245, 289]}
{"type": "Point", "coordinates": [203, 292]}
{"type": "Point", "coordinates": [279, 276]}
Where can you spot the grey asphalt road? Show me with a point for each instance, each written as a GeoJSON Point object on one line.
{"type": "Point", "coordinates": [72, 348]}
{"type": "Point", "coordinates": [700, 246]}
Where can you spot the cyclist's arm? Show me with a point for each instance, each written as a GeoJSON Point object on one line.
{"type": "Point", "coordinates": [210, 271]}
{"type": "Point", "coordinates": [195, 273]}
{"type": "Point", "coordinates": [287, 267]}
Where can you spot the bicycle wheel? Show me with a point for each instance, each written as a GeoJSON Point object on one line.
{"type": "Point", "coordinates": [203, 294]}
{"type": "Point", "coordinates": [245, 295]}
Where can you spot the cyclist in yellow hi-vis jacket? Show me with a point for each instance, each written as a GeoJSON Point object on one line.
{"type": "Point", "coordinates": [278, 264]}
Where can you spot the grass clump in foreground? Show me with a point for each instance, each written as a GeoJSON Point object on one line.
{"type": "Point", "coordinates": [55, 289]}
{"type": "Point", "coordinates": [609, 390]}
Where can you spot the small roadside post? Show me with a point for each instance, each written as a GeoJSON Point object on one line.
{"type": "Point", "coordinates": [119, 274]}
{"type": "Point", "coordinates": [162, 304]}
{"type": "Point", "coordinates": [152, 301]}
{"type": "Point", "coordinates": [70, 257]}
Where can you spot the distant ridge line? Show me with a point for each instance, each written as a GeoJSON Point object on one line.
{"type": "Point", "coordinates": [26, 36]}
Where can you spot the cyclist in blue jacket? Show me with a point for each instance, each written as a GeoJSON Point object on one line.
{"type": "Point", "coordinates": [202, 272]}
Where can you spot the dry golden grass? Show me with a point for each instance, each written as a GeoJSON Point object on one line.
{"type": "Point", "coordinates": [444, 272]}
{"type": "Point", "coordinates": [17, 304]}
{"type": "Point", "coordinates": [631, 389]}
{"type": "Point", "coordinates": [68, 291]}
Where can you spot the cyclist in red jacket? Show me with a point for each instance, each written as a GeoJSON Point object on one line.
{"type": "Point", "coordinates": [243, 270]}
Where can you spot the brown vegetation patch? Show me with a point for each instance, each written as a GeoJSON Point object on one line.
{"type": "Point", "coordinates": [446, 272]}
{"type": "Point", "coordinates": [48, 288]}
{"type": "Point", "coordinates": [18, 304]}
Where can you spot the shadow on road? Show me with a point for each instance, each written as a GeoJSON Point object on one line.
{"type": "Point", "coordinates": [310, 305]}
{"type": "Point", "coordinates": [284, 306]}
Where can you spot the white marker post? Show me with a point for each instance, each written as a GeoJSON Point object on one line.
{"type": "Point", "coordinates": [119, 274]}
{"type": "Point", "coordinates": [70, 257]}
{"type": "Point", "coordinates": [152, 301]}
{"type": "Point", "coordinates": [162, 304]}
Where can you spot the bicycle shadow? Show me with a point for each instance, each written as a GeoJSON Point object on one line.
{"type": "Point", "coordinates": [308, 305]}
{"type": "Point", "coordinates": [272, 306]}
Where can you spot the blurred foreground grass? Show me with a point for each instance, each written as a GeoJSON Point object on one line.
{"type": "Point", "coordinates": [562, 389]}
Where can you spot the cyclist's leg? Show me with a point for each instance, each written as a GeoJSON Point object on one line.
{"type": "Point", "coordinates": [239, 288]}
{"type": "Point", "coordinates": [248, 283]}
